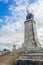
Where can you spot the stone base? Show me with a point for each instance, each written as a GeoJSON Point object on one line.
{"type": "Point", "coordinates": [27, 62]}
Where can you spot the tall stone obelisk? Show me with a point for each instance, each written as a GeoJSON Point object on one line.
{"type": "Point", "coordinates": [30, 39]}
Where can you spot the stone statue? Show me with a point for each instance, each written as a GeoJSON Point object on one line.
{"type": "Point", "coordinates": [29, 15]}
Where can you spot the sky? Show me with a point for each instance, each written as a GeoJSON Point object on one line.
{"type": "Point", "coordinates": [12, 16]}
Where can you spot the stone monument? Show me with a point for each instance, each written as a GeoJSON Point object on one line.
{"type": "Point", "coordinates": [30, 39]}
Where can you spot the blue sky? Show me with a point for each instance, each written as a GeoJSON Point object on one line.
{"type": "Point", "coordinates": [12, 17]}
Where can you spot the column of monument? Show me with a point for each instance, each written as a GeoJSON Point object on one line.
{"type": "Point", "coordinates": [30, 39]}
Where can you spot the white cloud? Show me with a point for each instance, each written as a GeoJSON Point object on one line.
{"type": "Point", "coordinates": [12, 32]}
{"type": "Point", "coordinates": [12, 38]}
{"type": "Point", "coordinates": [40, 33]}
{"type": "Point", "coordinates": [22, 2]}
{"type": "Point", "coordinates": [1, 20]}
